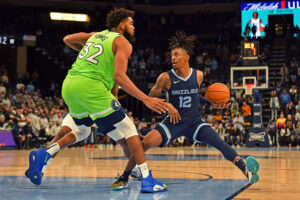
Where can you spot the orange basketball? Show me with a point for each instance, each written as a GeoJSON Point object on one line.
{"type": "Point", "coordinates": [262, 29]}
{"type": "Point", "coordinates": [218, 93]}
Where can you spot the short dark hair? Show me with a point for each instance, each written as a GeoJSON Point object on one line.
{"type": "Point", "coordinates": [114, 17]}
{"type": "Point", "coordinates": [181, 40]}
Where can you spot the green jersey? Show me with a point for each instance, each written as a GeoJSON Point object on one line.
{"type": "Point", "coordinates": [96, 58]}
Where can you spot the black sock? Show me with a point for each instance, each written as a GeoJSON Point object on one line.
{"type": "Point", "coordinates": [241, 165]}
{"type": "Point", "coordinates": [126, 174]}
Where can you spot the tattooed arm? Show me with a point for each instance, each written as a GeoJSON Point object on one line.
{"type": "Point", "coordinates": [163, 83]}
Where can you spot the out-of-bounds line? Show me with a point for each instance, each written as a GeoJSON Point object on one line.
{"type": "Point", "coordinates": [239, 191]}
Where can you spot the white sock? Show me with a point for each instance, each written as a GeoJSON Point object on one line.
{"type": "Point", "coordinates": [144, 170]}
{"type": "Point", "coordinates": [47, 165]}
{"type": "Point", "coordinates": [135, 168]}
{"type": "Point", "coordinates": [54, 148]}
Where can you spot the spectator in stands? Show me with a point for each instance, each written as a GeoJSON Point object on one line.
{"type": "Point", "coordinates": [238, 94]}
{"type": "Point", "coordinates": [293, 71]}
{"type": "Point", "coordinates": [44, 124]}
{"type": "Point", "coordinates": [30, 87]}
{"type": "Point", "coordinates": [278, 89]}
{"type": "Point", "coordinates": [3, 124]}
{"type": "Point", "coordinates": [52, 130]}
{"type": "Point", "coordinates": [271, 130]}
{"type": "Point", "coordinates": [228, 133]}
{"type": "Point", "coordinates": [221, 131]}
{"type": "Point", "coordinates": [29, 135]}
{"type": "Point", "coordinates": [298, 106]}
{"type": "Point", "coordinates": [280, 122]}
{"type": "Point", "coordinates": [142, 64]}
{"type": "Point", "coordinates": [6, 101]}
{"type": "Point", "coordinates": [290, 108]}
{"type": "Point", "coordinates": [238, 120]}
{"type": "Point", "coordinates": [294, 93]}
{"type": "Point", "coordinates": [284, 100]}
{"type": "Point", "coordinates": [235, 136]}
{"type": "Point", "coordinates": [274, 105]}
{"type": "Point", "coordinates": [246, 110]}
{"type": "Point", "coordinates": [2, 89]}
{"type": "Point", "coordinates": [297, 133]}
{"type": "Point", "coordinates": [284, 72]}
{"type": "Point", "coordinates": [214, 65]}
{"type": "Point", "coordinates": [207, 65]}
{"type": "Point", "coordinates": [226, 117]}
{"type": "Point", "coordinates": [143, 130]}
{"type": "Point", "coordinates": [288, 131]}
{"type": "Point", "coordinates": [4, 78]}
{"type": "Point", "coordinates": [17, 132]}
{"type": "Point", "coordinates": [218, 117]}
{"type": "Point", "coordinates": [20, 85]}
{"type": "Point", "coordinates": [234, 107]}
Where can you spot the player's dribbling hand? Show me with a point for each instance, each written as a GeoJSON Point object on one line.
{"type": "Point", "coordinates": [156, 104]}
{"type": "Point", "coordinates": [174, 114]}
{"type": "Point", "coordinates": [221, 106]}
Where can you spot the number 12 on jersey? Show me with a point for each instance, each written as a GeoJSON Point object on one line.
{"type": "Point", "coordinates": [185, 102]}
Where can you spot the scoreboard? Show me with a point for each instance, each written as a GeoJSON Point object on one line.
{"type": "Point", "coordinates": [250, 52]}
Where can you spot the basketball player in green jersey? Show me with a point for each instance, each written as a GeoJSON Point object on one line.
{"type": "Point", "coordinates": [87, 91]}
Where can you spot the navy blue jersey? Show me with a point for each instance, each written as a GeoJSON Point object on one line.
{"type": "Point", "coordinates": [184, 95]}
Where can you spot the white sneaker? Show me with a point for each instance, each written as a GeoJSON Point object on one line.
{"type": "Point", "coordinates": [136, 173]}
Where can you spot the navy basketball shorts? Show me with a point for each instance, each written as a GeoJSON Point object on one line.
{"type": "Point", "coordinates": [170, 131]}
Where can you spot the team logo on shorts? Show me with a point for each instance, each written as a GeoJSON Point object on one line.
{"type": "Point", "coordinates": [115, 104]}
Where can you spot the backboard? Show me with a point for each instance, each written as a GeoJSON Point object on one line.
{"type": "Point", "coordinates": [257, 75]}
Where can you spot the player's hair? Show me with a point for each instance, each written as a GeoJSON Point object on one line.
{"type": "Point", "coordinates": [115, 17]}
{"type": "Point", "coordinates": [181, 40]}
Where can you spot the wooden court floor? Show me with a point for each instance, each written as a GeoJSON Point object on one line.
{"type": "Point", "coordinates": [279, 171]}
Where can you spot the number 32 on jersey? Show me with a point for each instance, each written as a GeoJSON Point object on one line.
{"type": "Point", "coordinates": [91, 58]}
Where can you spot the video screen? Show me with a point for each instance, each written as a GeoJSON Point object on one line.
{"type": "Point", "coordinates": [256, 16]}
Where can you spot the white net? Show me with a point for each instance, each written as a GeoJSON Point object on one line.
{"type": "Point", "coordinates": [248, 89]}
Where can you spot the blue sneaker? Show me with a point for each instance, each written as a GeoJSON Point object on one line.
{"type": "Point", "coordinates": [252, 167]}
{"type": "Point", "coordinates": [37, 160]}
{"type": "Point", "coordinates": [150, 185]}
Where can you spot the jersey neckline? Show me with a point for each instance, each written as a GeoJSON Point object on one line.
{"type": "Point", "coordinates": [179, 77]}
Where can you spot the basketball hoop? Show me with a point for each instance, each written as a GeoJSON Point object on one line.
{"type": "Point", "coordinates": [248, 89]}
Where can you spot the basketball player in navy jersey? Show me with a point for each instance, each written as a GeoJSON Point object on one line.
{"type": "Point", "coordinates": [181, 85]}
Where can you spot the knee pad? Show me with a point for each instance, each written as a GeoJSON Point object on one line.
{"type": "Point", "coordinates": [127, 127]}
{"type": "Point", "coordinates": [81, 132]}
{"type": "Point", "coordinates": [116, 135]}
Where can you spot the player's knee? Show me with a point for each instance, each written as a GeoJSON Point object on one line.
{"type": "Point", "coordinates": [146, 145]}
{"type": "Point", "coordinates": [127, 127]}
{"type": "Point", "coordinates": [123, 143]}
{"type": "Point", "coordinates": [63, 131]}
{"type": "Point", "coordinates": [82, 132]}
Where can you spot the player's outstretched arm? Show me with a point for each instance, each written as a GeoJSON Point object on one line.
{"type": "Point", "coordinates": [163, 83]}
{"type": "Point", "coordinates": [123, 49]}
{"type": "Point", "coordinates": [77, 40]}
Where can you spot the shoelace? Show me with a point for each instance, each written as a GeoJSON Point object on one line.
{"type": "Point", "coordinates": [119, 178]}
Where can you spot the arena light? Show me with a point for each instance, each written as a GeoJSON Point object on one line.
{"type": "Point", "coordinates": [69, 17]}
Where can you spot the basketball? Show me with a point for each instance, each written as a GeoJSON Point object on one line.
{"type": "Point", "coordinates": [218, 93]}
{"type": "Point", "coordinates": [262, 29]}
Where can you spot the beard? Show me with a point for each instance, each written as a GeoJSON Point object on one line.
{"type": "Point", "coordinates": [129, 37]}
